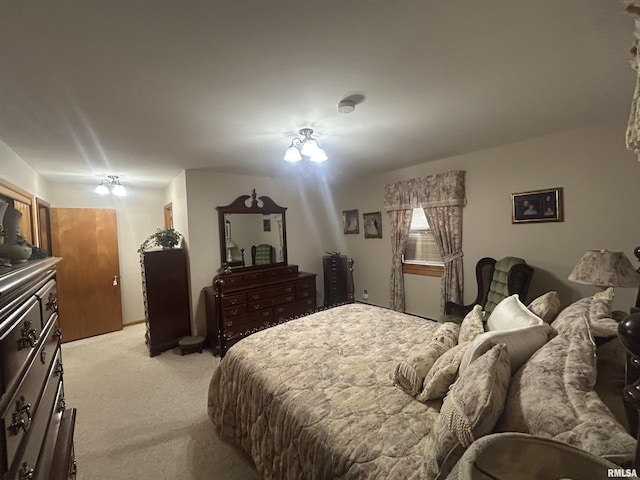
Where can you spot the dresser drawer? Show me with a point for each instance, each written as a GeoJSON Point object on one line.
{"type": "Point", "coordinates": [50, 404]}
{"type": "Point", "coordinates": [301, 295]}
{"type": "Point", "coordinates": [233, 300]}
{"type": "Point", "coordinates": [48, 298]}
{"type": "Point", "coordinates": [284, 289]}
{"type": "Point", "coordinates": [252, 276]}
{"type": "Point", "coordinates": [305, 284]}
{"type": "Point", "coordinates": [19, 415]}
{"type": "Point", "coordinates": [260, 294]}
{"type": "Point", "coordinates": [290, 310]}
{"type": "Point", "coordinates": [285, 299]}
{"type": "Point", "coordinates": [261, 305]}
{"type": "Point", "coordinates": [19, 340]}
{"type": "Point", "coordinates": [235, 311]}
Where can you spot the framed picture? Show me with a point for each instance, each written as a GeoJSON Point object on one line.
{"type": "Point", "coordinates": [350, 221]}
{"type": "Point", "coordinates": [537, 206]}
{"type": "Point", "coordinates": [372, 225]}
{"type": "Point", "coordinates": [266, 225]}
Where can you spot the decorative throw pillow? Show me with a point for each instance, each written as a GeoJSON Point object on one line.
{"type": "Point", "coordinates": [520, 343]}
{"type": "Point", "coordinates": [510, 313]}
{"type": "Point", "coordinates": [443, 373]}
{"type": "Point", "coordinates": [470, 410]}
{"type": "Point", "coordinates": [546, 306]}
{"type": "Point", "coordinates": [409, 375]}
{"type": "Point", "coordinates": [601, 305]}
{"type": "Point", "coordinates": [447, 334]}
{"type": "Point", "coordinates": [566, 323]}
{"type": "Point", "coordinates": [472, 325]}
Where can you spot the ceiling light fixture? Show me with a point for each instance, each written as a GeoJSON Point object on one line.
{"type": "Point", "coordinates": [111, 186]}
{"type": "Point", "coordinates": [307, 146]}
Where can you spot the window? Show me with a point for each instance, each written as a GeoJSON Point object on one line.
{"type": "Point", "coordinates": [421, 255]}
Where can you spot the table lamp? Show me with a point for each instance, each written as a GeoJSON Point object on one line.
{"type": "Point", "coordinates": [604, 269]}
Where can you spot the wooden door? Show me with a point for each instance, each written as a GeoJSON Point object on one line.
{"type": "Point", "coordinates": [89, 275]}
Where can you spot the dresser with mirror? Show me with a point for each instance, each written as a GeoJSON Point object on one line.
{"type": "Point", "coordinates": [256, 288]}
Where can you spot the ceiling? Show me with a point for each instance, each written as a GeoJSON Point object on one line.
{"type": "Point", "coordinates": [145, 89]}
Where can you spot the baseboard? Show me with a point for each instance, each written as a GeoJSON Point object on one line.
{"type": "Point", "coordinates": [136, 322]}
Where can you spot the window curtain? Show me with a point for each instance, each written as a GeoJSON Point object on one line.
{"type": "Point", "coordinates": [442, 196]}
{"type": "Point", "coordinates": [633, 127]}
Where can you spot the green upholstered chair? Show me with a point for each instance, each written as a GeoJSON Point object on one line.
{"type": "Point", "coordinates": [262, 254]}
{"type": "Point", "coordinates": [496, 281]}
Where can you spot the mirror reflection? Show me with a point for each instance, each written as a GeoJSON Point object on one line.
{"type": "Point", "coordinates": [253, 239]}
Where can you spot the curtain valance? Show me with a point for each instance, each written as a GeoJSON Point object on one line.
{"type": "Point", "coordinates": [439, 190]}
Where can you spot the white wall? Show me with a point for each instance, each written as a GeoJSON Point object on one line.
{"type": "Point", "coordinates": [16, 171]}
{"type": "Point", "coordinates": [139, 214]}
{"type": "Point", "coordinates": [601, 197]}
{"type": "Point", "coordinates": [308, 227]}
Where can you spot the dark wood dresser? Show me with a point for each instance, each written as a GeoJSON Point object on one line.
{"type": "Point", "coordinates": [38, 427]}
{"type": "Point", "coordinates": [239, 304]}
{"type": "Point", "coordinates": [165, 286]}
{"type": "Point", "coordinates": [338, 279]}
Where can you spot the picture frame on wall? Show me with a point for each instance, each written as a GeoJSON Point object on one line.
{"type": "Point", "coordinates": [372, 225]}
{"type": "Point", "coordinates": [537, 206]}
{"type": "Point", "coordinates": [266, 225]}
{"type": "Point", "coordinates": [350, 222]}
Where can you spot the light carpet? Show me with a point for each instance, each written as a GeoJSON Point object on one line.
{"type": "Point", "coordinates": [145, 418]}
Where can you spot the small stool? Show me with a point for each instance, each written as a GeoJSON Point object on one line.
{"type": "Point", "coordinates": [190, 345]}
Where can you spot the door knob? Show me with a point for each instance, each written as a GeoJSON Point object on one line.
{"type": "Point", "coordinates": [115, 280]}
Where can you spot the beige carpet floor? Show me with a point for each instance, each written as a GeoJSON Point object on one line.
{"type": "Point", "coordinates": [145, 418]}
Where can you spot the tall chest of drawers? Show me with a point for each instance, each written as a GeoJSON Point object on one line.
{"type": "Point", "coordinates": [239, 304]}
{"type": "Point", "coordinates": [338, 279]}
{"type": "Point", "coordinates": [165, 287]}
{"type": "Point", "coordinates": [37, 439]}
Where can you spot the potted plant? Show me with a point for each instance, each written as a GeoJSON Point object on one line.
{"type": "Point", "coordinates": [163, 237]}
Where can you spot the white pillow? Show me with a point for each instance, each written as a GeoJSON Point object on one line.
{"type": "Point", "coordinates": [521, 344]}
{"type": "Point", "coordinates": [511, 313]}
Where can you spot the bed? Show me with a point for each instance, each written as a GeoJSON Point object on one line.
{"type": "Point", "coordinates": [315, 397]}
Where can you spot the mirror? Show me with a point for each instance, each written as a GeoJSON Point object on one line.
{"type": "Point", "coordinates": [252, 232]}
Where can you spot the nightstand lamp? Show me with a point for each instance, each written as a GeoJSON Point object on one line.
{"type": "Point", "coordinates": [605, 269]}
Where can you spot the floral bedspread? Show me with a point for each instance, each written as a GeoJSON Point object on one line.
{"type": "Point", "coordinates": [323, 405]}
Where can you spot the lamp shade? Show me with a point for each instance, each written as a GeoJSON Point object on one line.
{"type": "Point", "coordinates": [309, 147]}
{"type": "Point", "coordinates": [605, 269]}
{"type": "Point", "coordinates": [119, 190]}
{"type": "Point", "coordinates": [292, 154]}
{"type": "Point", "coordinates": [102, 189]}
{"type": "Point", "coordinates": [318, 156]}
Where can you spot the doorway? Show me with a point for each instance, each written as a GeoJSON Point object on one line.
{"type": "Point", "coordinates": [89, 300]}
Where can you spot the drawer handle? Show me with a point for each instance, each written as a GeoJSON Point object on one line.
{"type": "Point", "coordinates": [305, 294]}
{"type": "Point", "coordinates": [59, 370]}
{"type": "Point", "coordinates": [255, 297]}
{"type": "Point", "coordinates": [58, 333]}
{"type": "Point", "coordinates": [280, 309]}
{"type": "Point", "coordinates": [52, 303]}
{"type": "Point", "coordinates": [61, 405]}
{"type": "Point", "coordinates": [234, 311]}
{"type": "Point", "coordinates": [28, 336]}
{"type": "Point", "coordinates": [289, 298]}
{"type": "Point", "coordinates": [21, 417]}
{"type": "Point", "coordinates": [25, 472]}
{"type": "Point", "coordinates": [256, 307]}
{"type": "Point", "coordinates": [229, 323]}
{"type": "Point", "coordinates": [266, 313]}
{"type": "Point", "coordinates": [288, 289]}
{"type": "Point", "coordinates": [234, 301]}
